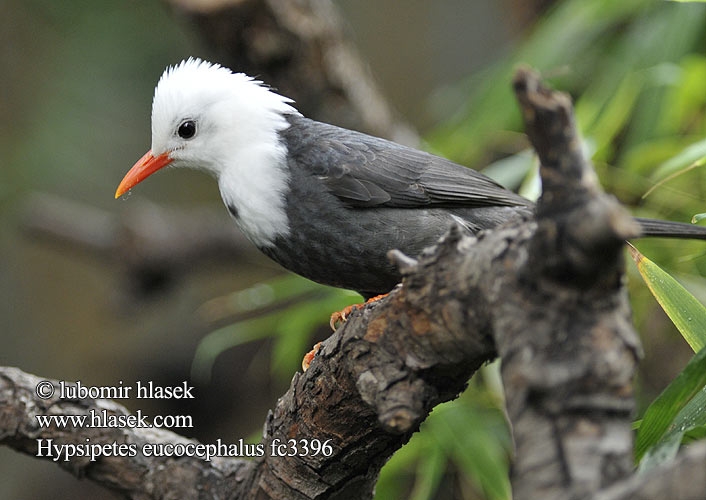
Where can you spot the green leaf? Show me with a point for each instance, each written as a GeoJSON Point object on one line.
{"type": "Point", "coordinates": [295, 327]}
{"type": "Point", "coordinates": [469, 435]}
{"type": "Point", "coordinates": [259, 297]}
{"type": "Point", "coordinates": [698, 217]}
{"type": "Point", "coordinates": [687, 313]}
{"type": "Point", "coordinates": [692, 156]}
{"type": "Point", "coordinates": [685, 99]}
{"type": "Point", "coordinates": [680, 407]}
{"type": "Point", "coordinates": [695, 434]}
{"type": "Point", "coordinates": [698, 163]}
{"type": "Point", "coordinates": [391, 483]}
{"type": "Point", "coordinates": [287, 308]}
{"type": "Point", "coordinates": [477, 440]}
{"type": "Point", "coordinates": [672, 410]}
{"type": "Point", "coordinates": [218, 341]}
{"type": "Point", "coordinates": [616, 114]}
{"type": "Point", "coordinates": [692, 419]}
{"type": "Point", "coordinates": [430, 471]}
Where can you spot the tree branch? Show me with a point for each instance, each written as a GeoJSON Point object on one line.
{"type": "Point", "coordinates": [138, 477]}
{"type": "Point", "coordinates": [367, 391]}
{"type": "Point", "coordinates": [546, 295]}
{"type": "Point", "coordinates": [563, 327]}
{"type": "Point", "coordinates": [152, 246]}
{"type": "Point", "coordinates": [683, 479]}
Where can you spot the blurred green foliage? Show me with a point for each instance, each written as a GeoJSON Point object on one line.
{"type": "Point", "coordinates": [74, 99]}
{"type": "Point", "coordinates": [301, 306]}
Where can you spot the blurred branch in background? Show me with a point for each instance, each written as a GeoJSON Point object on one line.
{"type": "Point", "coordinates": [152, 246]}
{"type": "Point", "coordinates": [302, 50]}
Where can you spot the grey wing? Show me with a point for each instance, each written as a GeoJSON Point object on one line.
{"type": "Point", "coordinates": [365, 171]}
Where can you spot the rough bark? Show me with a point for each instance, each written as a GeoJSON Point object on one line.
{"type": "Point", "coordinates": [563, 328]}
{"type": "Point", "coordinates": [137, 477]}
{"type": "Point", "coordinates": [546, 295]}
{"type": "Point", "coordinates": [685, 479]}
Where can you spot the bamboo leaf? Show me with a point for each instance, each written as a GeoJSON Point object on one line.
{"type": "Point", "coordinates": [687, 313]}
{"type": "Point", "coordinates": [430, 471]}
{"type": "Point", "coordinates": [480, 449]}
{"type": "Point", "coordinates": [664, 418]}
{"type": "Point", "coordinates": [218, 341]}
{"type": "Point", "coordinates": [680, 407]}
{"type": "Point", "coordinates": [691, 417]}
{"type": "Point", "coordinates": [698, 163]}
{"type": "Point", "coordinates": [691, 157]}
{"type": "Point", "coordinates": [697, 218]}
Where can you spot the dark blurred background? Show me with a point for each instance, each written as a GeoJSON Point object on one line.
{"type": "Point", "coordinates": [75, 95]}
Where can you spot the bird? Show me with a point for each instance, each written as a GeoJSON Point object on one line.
{"type": "Point", "coordinates": [325, 202]}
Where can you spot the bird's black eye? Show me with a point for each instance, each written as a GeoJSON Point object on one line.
{"type": "Point", "coordinates": [187, 129]}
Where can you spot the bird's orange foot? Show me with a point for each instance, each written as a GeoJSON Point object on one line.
{"type": "Point", "coordinates": [309, 357]}
{"type": "Point", "coordinates": [342, 315]}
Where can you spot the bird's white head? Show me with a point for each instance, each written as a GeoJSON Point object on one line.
{"type": "Point", "coordinates": [203, 114]}
{"type": "Point", "coordinates": [201, 108]}
{"type": "Point", "coordinates": [207, 117]}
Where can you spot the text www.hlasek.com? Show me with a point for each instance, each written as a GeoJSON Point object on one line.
{"type": "Point", "coordinates": [104, 418]}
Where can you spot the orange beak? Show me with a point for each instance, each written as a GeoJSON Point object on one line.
{"type": "Point", "coordinates": [145, 166]}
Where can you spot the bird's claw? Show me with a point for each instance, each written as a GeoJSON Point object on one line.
{"type": "Point", "coordinates": [342, 315]}
{"type": "Point", "coordinates": [309, 357]}
{"type": "Point", "coordinates": [336, 318]}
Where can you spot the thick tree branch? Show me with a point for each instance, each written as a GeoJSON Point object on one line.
{"type": "Point", "coordinates": [138, 477]}
{"type": "Point", "coordinates": [546, 295]}
{"type": "Point", "coordinates": [563, 328]}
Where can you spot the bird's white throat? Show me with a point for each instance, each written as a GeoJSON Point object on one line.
{"type": "Point", "coordinates": [253, 176]}
{"type": "Point", "coordinates": [255, 184]}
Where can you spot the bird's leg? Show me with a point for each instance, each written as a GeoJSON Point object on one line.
{"type": "Point", "coordinates": [342, 315]}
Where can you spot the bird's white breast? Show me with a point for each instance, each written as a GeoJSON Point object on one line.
{"type": "Point", "coordinates": [255, 183]}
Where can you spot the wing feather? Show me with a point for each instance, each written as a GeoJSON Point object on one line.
{"type": "Point", "coordinates": [365, 171]}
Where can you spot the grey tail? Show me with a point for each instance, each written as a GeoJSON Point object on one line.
{"type": "Point", "coordinates": [669, 229]}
